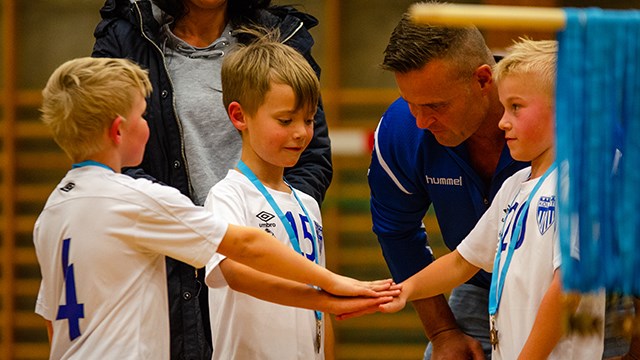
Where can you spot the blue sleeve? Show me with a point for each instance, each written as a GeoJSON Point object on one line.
{"type": "Point", "coordinates": [398, 201]}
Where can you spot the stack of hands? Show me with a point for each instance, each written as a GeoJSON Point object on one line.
{"type": "Point", "coordinates": [349, 298]}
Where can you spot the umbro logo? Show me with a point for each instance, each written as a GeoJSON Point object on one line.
{"type": "Point", "coordinates": [265, 216]}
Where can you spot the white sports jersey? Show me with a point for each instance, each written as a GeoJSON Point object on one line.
{"type": "Point", "coordinates": [244, 327]}
{"type": "Point", "coordinates": [100, 242]}
{"type": "Point", "coordinates": [530, 273]}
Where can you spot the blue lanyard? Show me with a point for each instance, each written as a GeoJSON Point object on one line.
{"type": "Point", "coordinates": [244, 169]}
{"type": "Point", "coordinates": [497, 280]}
{"type": "Point", "coordinates": [90, 163]}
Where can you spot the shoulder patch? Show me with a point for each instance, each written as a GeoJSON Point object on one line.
{"type": "Point", "coordinates": [68, 187]}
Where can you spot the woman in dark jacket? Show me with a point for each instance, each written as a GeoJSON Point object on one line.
{"type": "Point", "coordinates": [192, 142]}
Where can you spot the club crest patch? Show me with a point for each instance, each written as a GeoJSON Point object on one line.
{"type": "Point", "coordinates": [546, 213]}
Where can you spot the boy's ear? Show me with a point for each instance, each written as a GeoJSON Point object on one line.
{"type": "Point", "coordinates": [114, 131]}
{"type": "Point", "coordinates": [236, 114]}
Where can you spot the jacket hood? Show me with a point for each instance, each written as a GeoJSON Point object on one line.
{"type": "Point", "coordinates": [286, 18]}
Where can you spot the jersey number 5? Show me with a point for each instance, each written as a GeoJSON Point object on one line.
{"type": "Point", "coordinates": [72, 311]}
{"type": "Point", "coordinates": [308, 246]}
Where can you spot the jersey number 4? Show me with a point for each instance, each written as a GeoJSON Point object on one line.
{"type": "Point", "coordinates": [72, 311]}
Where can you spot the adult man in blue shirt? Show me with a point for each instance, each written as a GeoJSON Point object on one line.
{"type": "Point", "coordinates": [439, 145]}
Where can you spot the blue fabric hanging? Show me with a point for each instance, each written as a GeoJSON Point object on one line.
{"type": "Point", "coordinates": [598, 150]}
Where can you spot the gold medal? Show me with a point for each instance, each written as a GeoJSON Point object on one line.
{"type": "Point", "coordinates": [318, 334]}
{"type": "Point", "coordinates": [493, 333]}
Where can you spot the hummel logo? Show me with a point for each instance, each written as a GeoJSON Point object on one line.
{"type": "Point", "coordinates": [444, 181]}
{"type": "Point", "coordinates": [265, 216]}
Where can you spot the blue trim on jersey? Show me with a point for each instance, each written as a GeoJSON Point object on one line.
{"type": "Point", "coordinates": [90, 163]}
{"type": "Point", "coordinates": [517, 235]}
{"type": "Point", "coordinates": [430, 174]}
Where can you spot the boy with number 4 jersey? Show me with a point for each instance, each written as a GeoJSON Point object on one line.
{"type": "Point", "coordinates": [102, 236]}
{"type": "Point", "coordinates": [516, 238]}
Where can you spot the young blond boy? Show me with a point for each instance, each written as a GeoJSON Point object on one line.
{"type": "Point", "coordinates": [526, 294]}
{"type": "Point", "coordinates": [102, 236]}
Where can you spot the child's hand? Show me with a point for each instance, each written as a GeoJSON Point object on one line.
{"type": "Point", "coordinates": [398, 303]}
{"type": "Point", "coordinates": [361, 305]}
{"type": "Point", "coordinates": [394, 305]}
{"type": "Point", "coordinates": [346, 286]}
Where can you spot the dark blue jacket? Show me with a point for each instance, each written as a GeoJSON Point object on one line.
{"type": "Point", "coordinates": [409, 172]}
{"type": "Point", "coordinates": [129, 30]}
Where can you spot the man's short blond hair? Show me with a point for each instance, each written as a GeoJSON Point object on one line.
{"type": "Point", "coordinates": [82, 98]}
{"type": "Point", "coordinates": [532, 57]}
{"type": "Point", "coordinates": [248, 72]}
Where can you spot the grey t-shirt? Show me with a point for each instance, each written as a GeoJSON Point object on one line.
{"type": "Point", "coordinates": [212, 145]}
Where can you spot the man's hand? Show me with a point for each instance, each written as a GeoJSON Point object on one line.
{"type": "Point", "coordinates": [456, 345]}
{"type": "Point", "coordinates": [448, 341]}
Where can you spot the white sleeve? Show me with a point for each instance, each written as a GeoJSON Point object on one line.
{"type": "Point", "coordinates": [46, 295]}
{"type": "Point", "coordinates": [479, 247]}
{"type": "Point", "coordinates": [172, 225]}
{"type": "Point", "coordinates": [226, 202]}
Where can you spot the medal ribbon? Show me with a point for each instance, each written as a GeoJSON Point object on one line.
{"type": "Point", "coordinates": [244, 169]}
{"type": "Point", "coordinates": [498, 276]}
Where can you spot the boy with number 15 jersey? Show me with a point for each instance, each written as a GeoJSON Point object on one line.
{"type": "Point", "coordinates": [271, 95]}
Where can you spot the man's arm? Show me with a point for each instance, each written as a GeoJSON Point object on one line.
{"type": "Point", "coordinates": [397, 210]}
{"type": "Point", "coordinates": [442, 330]}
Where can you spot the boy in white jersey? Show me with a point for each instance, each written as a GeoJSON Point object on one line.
{"type": "Point", "coordinates": [271, 94]}
{"type": "Point", "coordinates": [525, 303]}
{"type": "Point", "coordinates": [102, 236]}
